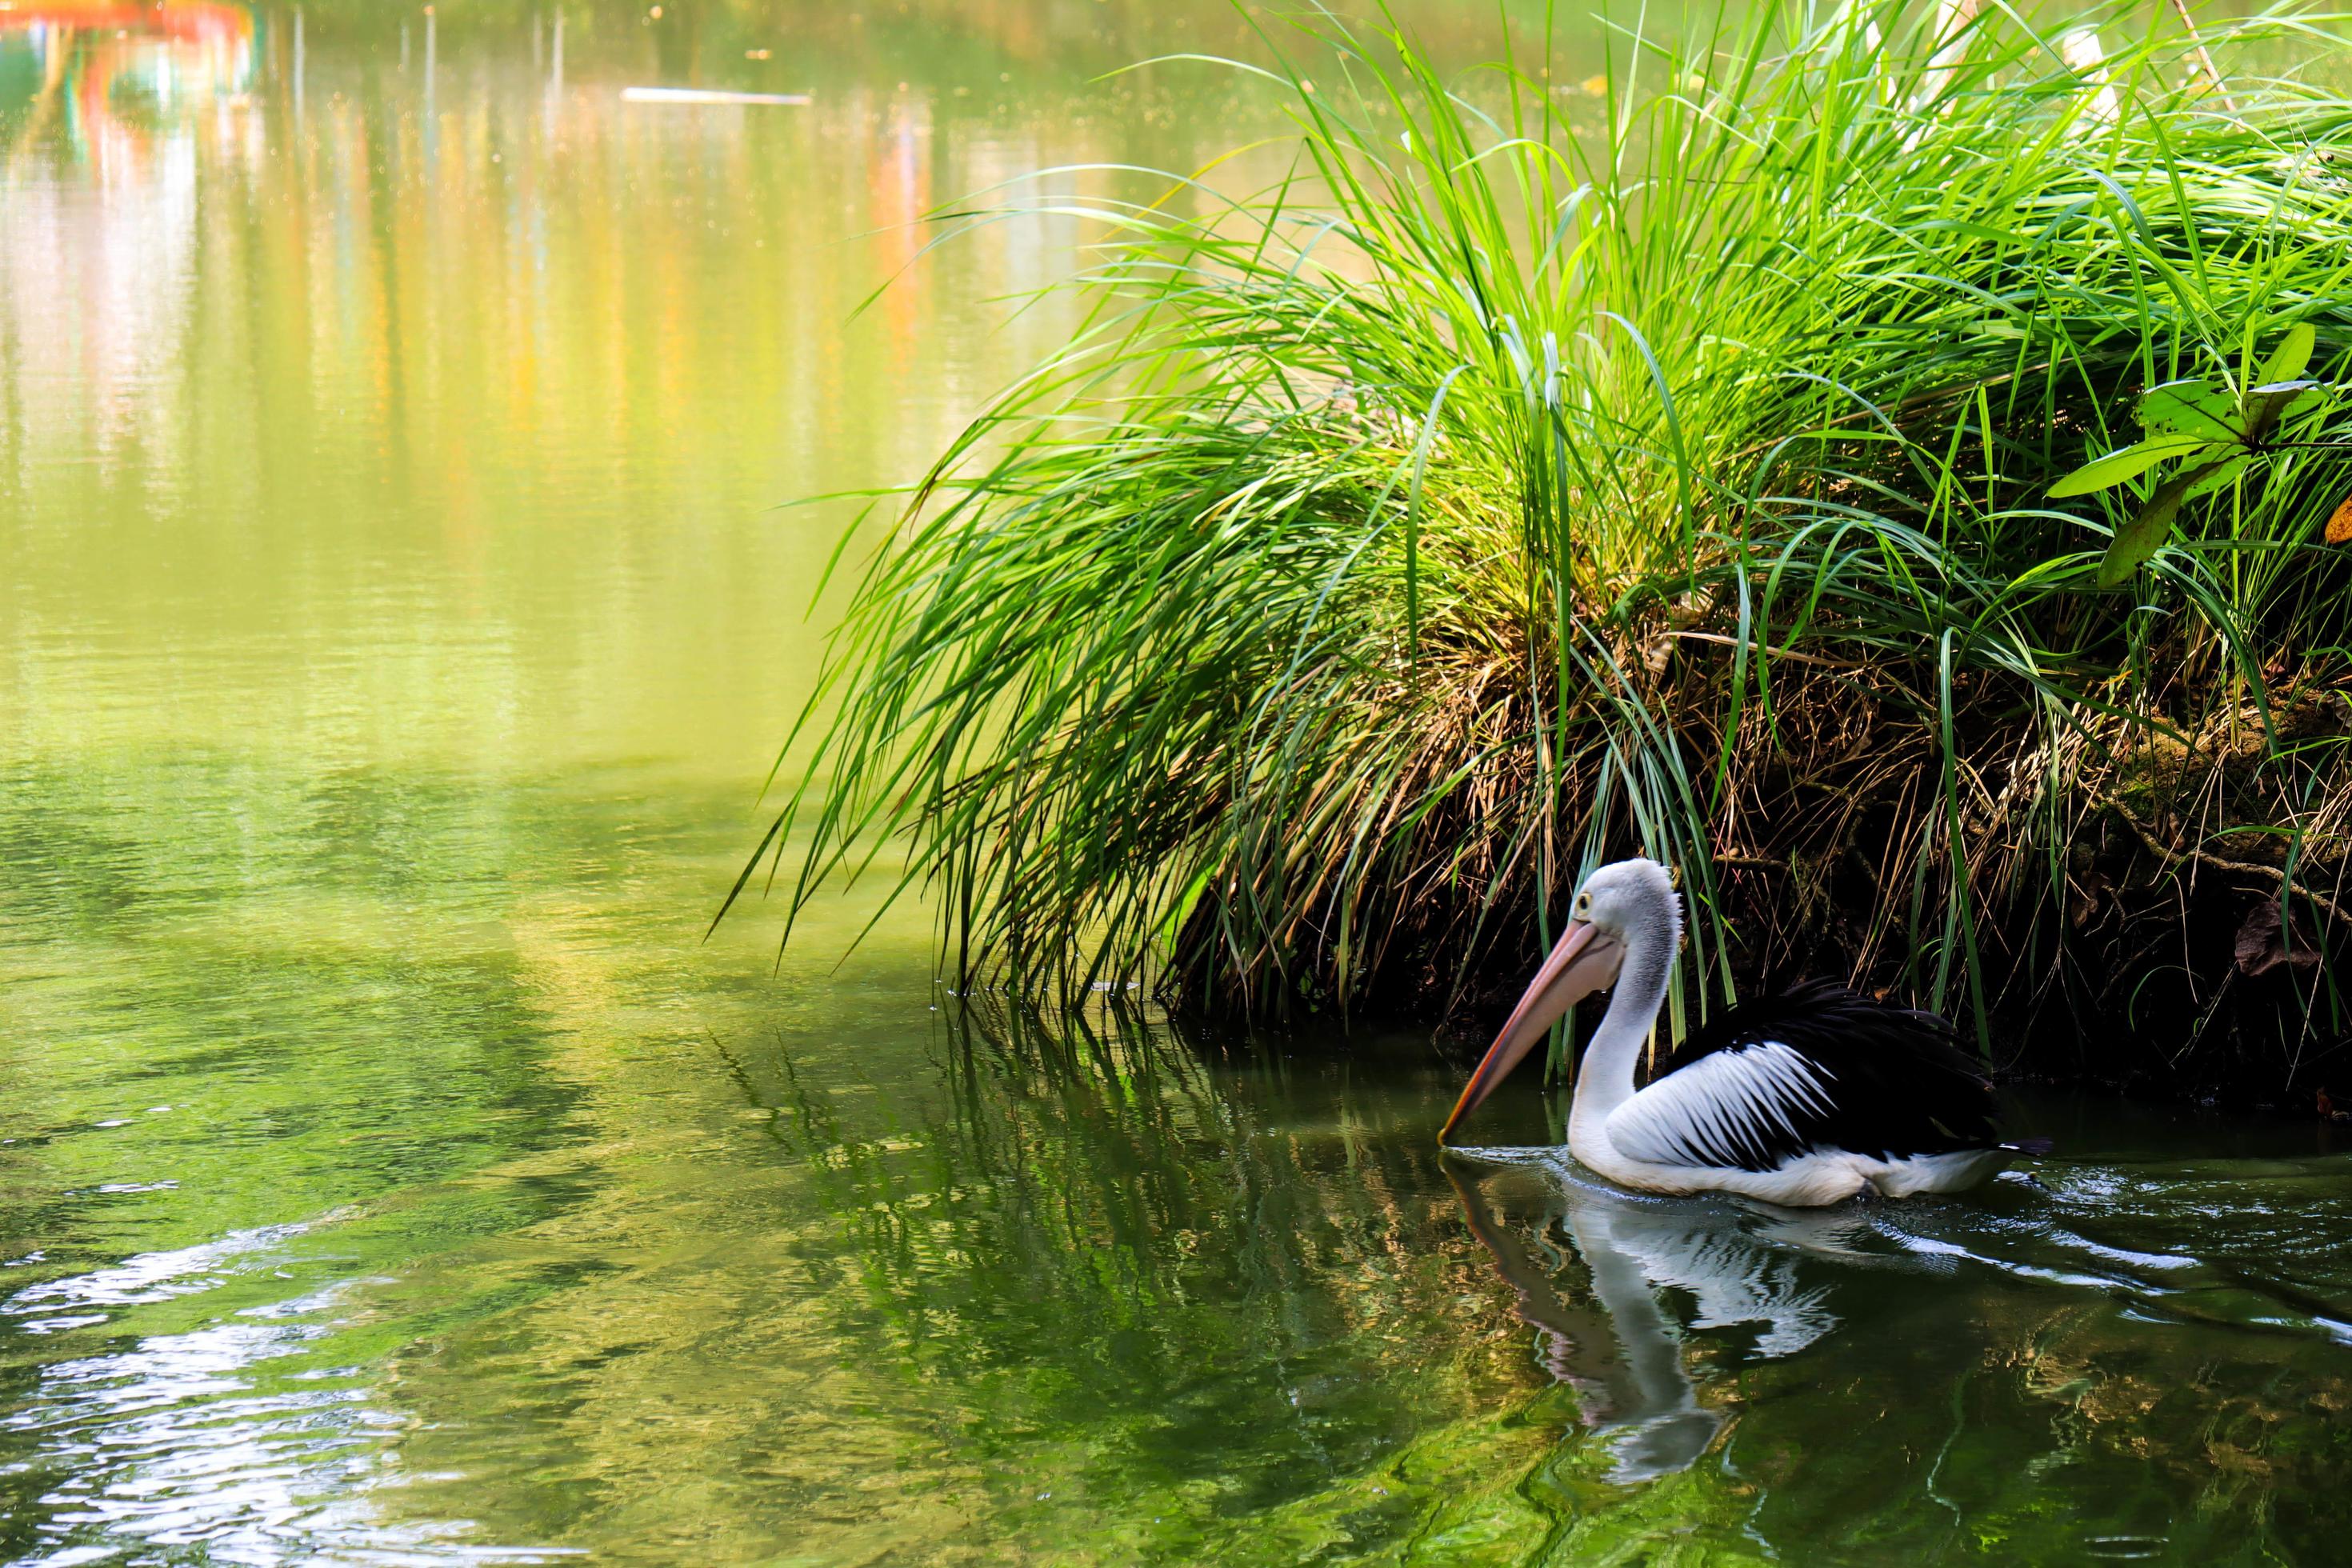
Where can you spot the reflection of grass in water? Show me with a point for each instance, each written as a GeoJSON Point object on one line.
{"type": "Point", "coordinates": [1141, 1285]}
{"type": "Point", "coordinates": [1201, 1328]}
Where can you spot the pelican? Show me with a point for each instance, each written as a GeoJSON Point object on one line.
{"type": "Point", "coordinates": [1810, 1098]}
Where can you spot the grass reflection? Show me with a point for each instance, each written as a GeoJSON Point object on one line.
{"type": "Point", "coordinates": [1201, 1297]}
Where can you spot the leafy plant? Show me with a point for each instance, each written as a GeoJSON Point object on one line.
{"type": "Point", "coordinates": [2214, 432]}
{"type": "Point", "coordinates": [1523, 477]}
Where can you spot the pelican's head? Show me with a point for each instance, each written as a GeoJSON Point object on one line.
{"type": "Point", "coordinates": [1619, 905]}
{"type": "Point", "coordinates": [1627, 897]}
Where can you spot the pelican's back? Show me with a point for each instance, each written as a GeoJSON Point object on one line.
{"type": "Point", "coordinates": [1815, 1068]}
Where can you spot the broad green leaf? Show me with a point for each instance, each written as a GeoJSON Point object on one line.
{"type": "Point", "coordinates": [2140, 538]}
{"type": "Point", "coordinates": [2218, 473]}
{"type": "Point", "coordinates": [2200, 408]}
{"type": "Point", "coordinates": [2292, 356]}
{"type": "Point", "coordinates": [2273, 401]}
{"type": "Point", "coordinates": [2129, 463]}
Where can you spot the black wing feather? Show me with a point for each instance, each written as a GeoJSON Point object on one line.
{"type": "Point", "coordinates": [1897, 1082]}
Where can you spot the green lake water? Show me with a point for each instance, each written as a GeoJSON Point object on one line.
{"type": "Point", "coordinates": [396, 623]}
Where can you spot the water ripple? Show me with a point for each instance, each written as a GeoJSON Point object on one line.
{"type": "Point", "coordinates": [218, 1438]}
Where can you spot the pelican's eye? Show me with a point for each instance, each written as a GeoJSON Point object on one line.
{"type": "Point", "coordinates": [1584, 906]}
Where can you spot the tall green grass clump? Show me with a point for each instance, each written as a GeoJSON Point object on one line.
{"type": "Point", "coordinates": [1531, 475]}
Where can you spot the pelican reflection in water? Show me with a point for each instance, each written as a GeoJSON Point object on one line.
{"type": "Point", "coordinates": [1621, 1352]}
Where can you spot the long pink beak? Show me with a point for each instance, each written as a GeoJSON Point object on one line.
{"type": "Point", "coordinates": [1584, 961]}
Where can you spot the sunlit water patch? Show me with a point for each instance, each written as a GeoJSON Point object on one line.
{"type": "Point", "coordinates": [199, 1439]}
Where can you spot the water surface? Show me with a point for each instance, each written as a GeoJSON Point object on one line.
{"type": "Point", "coordinates": [395, 619]}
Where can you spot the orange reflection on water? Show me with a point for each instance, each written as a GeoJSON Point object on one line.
{"type": "Point", "coordinates": [459, 386]}
{"type": "Point", "coordinates": [109, 77]}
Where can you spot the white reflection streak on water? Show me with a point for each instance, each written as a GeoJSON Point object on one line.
{"type": "Point", "coordinates": [171, 1442]}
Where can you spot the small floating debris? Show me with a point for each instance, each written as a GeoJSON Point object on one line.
{"type": "Point", "coordinates": [695, 96]}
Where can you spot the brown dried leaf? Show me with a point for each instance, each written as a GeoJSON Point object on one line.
{"type": "Point", "coordinates": [2264, 942]}
{"type": "Point", "coordinates": [2086, 893]}
{"type": "Point", "coordinates": [2339, 527]}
